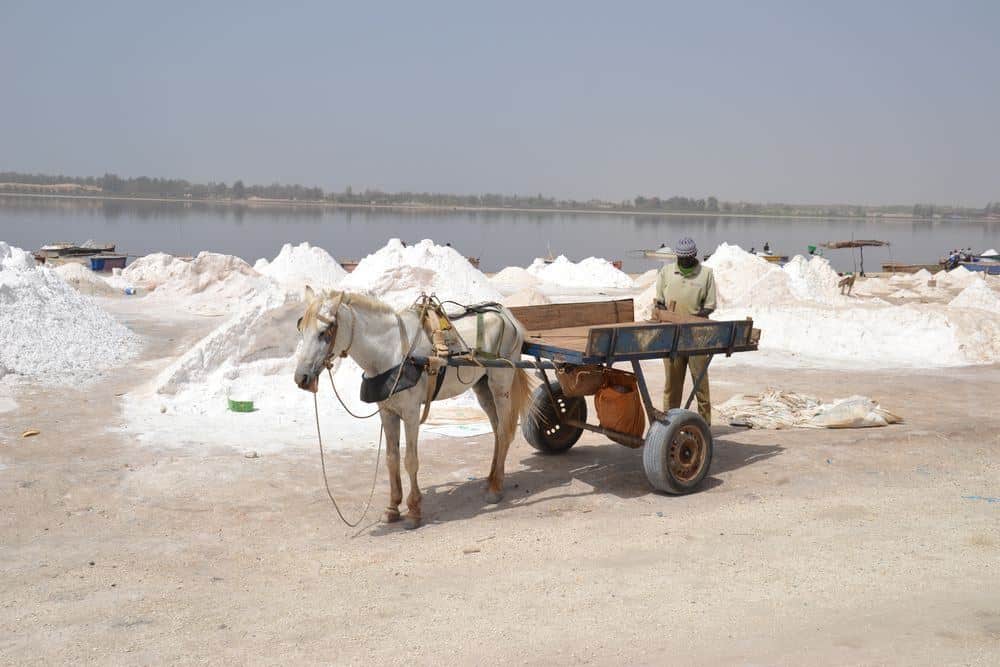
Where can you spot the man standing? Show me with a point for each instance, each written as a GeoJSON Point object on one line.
{"type": "Point", "coordinates": [691, 288]}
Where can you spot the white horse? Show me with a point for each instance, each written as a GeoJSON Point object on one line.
{"type": "Point", "coordinates": [377, 338]}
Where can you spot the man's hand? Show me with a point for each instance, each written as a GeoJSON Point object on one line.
{"type": "Point", "coordinates": [705, 312]}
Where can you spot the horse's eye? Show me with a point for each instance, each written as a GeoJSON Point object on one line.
{"type": "Point", "coordinates": [298, 325]}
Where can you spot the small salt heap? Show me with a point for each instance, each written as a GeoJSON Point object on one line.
{"type": "Point", "coordinates": [591, 273]}
{"type": "Point", "coordinates": [399, 274]}
{"type": "Point", "coordinates": [977, 295]}
{"type": "Point", "coordinates": [301, 265]}
{"type": "Point", "coordinates": [211, 281]}
{"type": "Point", "coordinates": [84, 280]}
{"type": "Point", "coordinates": [515, 276]}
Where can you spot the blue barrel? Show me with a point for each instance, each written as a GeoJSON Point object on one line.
{"type": "Point", "coordinates": [96, 263]}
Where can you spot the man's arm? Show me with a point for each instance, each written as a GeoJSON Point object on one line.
{"type": "Point", "coordinates": [659, 298]}
{"type": "Point", "coordinates": [708, 305]}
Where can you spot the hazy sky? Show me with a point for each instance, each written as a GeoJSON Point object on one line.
{"type": "Point", "coordinates": [865, 102]}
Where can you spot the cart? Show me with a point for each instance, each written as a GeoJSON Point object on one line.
{"type": "Point", "coordinates": [677, 446]}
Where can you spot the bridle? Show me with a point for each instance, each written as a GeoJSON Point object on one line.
{"type": "Point", "coordinates": [329, 335]}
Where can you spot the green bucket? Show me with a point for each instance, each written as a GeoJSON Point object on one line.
{"type": "Point", "coordinates": [240, 406]}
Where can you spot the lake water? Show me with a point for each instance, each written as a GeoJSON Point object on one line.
{"type": "Point", "coordinates": [499, 238]}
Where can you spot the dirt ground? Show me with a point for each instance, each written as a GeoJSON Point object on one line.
{"type": "Point", "coordinates": [877, 546]}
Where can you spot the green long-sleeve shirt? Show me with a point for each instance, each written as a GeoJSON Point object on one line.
{"type": "Point", "coordinates": [692, 293]}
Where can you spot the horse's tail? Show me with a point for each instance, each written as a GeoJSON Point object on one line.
{"type": "Point", "coordinates": [520, 399]}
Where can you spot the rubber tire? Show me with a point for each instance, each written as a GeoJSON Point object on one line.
{"type": "Point", "coordinates": [541, 416]}
{"type": "Point", "coordinates": [656, 452]}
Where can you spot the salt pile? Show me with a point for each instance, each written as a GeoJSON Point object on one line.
{"type": "Point", "coordinates": [802, 314]}
{"type": "Point", "coordinates": [591, 273]}
{"type": "Point", "coordinates": [301, 265]}
{"type": "Point", "coordinates": [399, 274]}
{"type": "Point", "coordinates": [744, 280]}
{"type": "Point", "coordinates": [958, 278]}
{"type": "Point", "coordinates": [977, 295]}
{"type": "Point", "coordinates": [51, 333]}
{"type": "Point", "coordinates": [210, 281]}
{"type": "Point", "coordinates": [812, 279]}
{"type": "Point", "coordinates": [528, 296]}
{"type": "Point", "coordinates": [515, 276]}
{"type": "Point", "coordinates": [646, 279]}
{"type": "Point", "coordinates": [84, 280]}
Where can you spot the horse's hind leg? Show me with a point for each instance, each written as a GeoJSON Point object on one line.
{"type": "Point", "coordinates": [412, 426]}
{"type": "Point", "coordinates": [500, 382]}
{"type": "Point", "coordinates": [390, 423]}
{"type": "Point", "coordinates": [485, 398]}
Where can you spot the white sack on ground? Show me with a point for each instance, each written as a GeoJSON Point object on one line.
{"type": "Point", "coordinates": [775, 409]}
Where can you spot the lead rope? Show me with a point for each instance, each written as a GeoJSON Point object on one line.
{"type": "Point", "coordinates": [326, 481]}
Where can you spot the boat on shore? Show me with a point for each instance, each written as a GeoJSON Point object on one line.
{"type": "Point", "coordinates": [896, 267]}
{"type": "Point", "coordinates": [100, 257]}
{"type": "Point", "coordinates": [774, 259]}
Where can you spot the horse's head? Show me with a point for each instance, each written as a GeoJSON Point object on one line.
{"type": "Point", "coordinates": [322, 338]}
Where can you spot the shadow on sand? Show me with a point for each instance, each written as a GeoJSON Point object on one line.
{"type": "Point", "coordinates": [605, 468]}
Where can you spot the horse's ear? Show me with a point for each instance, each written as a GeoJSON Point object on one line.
{"type": "Point", "coordinates": [310, 294]}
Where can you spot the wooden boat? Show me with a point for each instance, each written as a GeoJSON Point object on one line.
{"type": "Point", "coordinates": [990, 268]}
{"type": "Point", "coordinates": [664, 252]}
{"type": "Point", "coordinates": [774, 259]}
{"type": "Point", "coordinates": [895, 267]}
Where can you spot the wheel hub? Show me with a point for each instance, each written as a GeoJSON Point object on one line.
{"type": "Point", "coordinates": [687, 453]}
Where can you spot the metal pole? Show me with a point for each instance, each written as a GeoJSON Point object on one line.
{"type": "Point", "coordinates": [697, 382]}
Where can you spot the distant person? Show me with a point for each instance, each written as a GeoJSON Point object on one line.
{"type": "Point", "coordinates": [753, 251]}
{"type": "Point", "coordinates": [767, 246]}
{"type": "Point", "coordinates": [690, 287]}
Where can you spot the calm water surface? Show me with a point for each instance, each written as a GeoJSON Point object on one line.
{"type": "Point", "coordinates": [499, 238]}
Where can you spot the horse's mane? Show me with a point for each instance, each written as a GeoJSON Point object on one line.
{"type": "Point", "coordinates": [350, 298]}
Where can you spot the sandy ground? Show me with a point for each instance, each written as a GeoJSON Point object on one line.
{"type": "Point", "coordinates": [877, 546]}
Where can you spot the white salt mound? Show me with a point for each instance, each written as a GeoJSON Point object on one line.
{"type": "Point", "coordinates": [812, 279]}
{"type": "Point", "coordinates": [515, 276]}
{"type": "Point", "coordinates": [528, 296]}
{"type": "Point", "coordinates": [977, 295]}
{"type": "Point", "coordinates": [211, 282]}
{"type": "Point", "coordinates": [263, 333]}
{"type": "Point", "coordinates": [744, 280]}
{"type": "Point", "coordinates": [14, 259]}
{"type": "Point", "coordinates": [398, 274]}
{"type": "Point", "coordinates": [84, 280]}
{"type": "Point", "coordinates": [51, 333]}
{"type": "Point", "coordinates": [646, 279]}
{"type": "Point", "coordinates": [958, 278]}
{"type": "Point", "coordinates": [301, 265]}
{"type": "Point", "coordinates": [591, 273]}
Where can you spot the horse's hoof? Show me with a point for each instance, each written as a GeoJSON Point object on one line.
{"type": "Point", "coordinates": [390, 516]}
{"type": "Point", "coordinates": [492, 497]}
{"type": "Point", "coordinates": [410, 522]}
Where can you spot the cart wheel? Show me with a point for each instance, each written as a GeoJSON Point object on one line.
{"type": "Point", "coordinates": [542, 427]}
{"type": "Point", "coordinates": [677, 452]}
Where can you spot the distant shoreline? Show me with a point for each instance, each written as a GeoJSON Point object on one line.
{"type": "Point", "coordinates": [469, 209]}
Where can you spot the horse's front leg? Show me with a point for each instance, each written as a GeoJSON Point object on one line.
{"type": "Point", "coordinates": [390, 424]}
{"type": "Point", "coordinates": [412, 425]}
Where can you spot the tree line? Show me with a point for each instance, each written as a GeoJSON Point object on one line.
{"type": "Point", "coordinates": [175, 188]}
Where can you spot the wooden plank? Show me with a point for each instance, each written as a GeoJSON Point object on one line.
{"type": "Point", "coordinates": [563, 315]}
